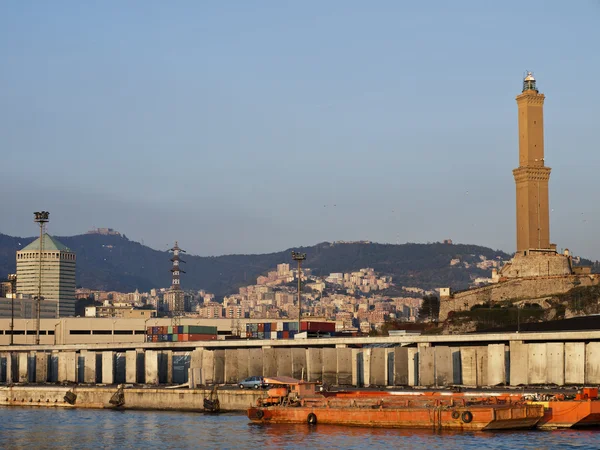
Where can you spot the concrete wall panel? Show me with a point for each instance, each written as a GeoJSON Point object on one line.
{"type": "Point", "coordinates": [413, 366]}
{"type": "Point", "coordinates": [426, 366]}
{"type": "Point", "coordinates": [555, 365]}
{"type": "Point", "coordinates": [208, 367]}
{"type": "Point", "coordinates": [592, 363]}
{"type": "Point", "coordinates": [330, 366]}
{"type": "Point", "coordinates": [468, 363]}
{"type": "Point", "coordinates": [538, 360]}
{"type": "Point", "coordinates": [242, 356]}
{"type": "Point", "coordinates": [401, 366]}
{"type": "Point", "coordinates": [314, 362]}
{"type": "Point", "coordinates": [519, 363]}
{"type": "Point", "coordinates": [377, 373]}
{"type": "Point", "coordinates": [231, 366]}
{"type": "Point", "coordinates": [299, 363]}
{"type": "Point", "coordinates": [574, 362]}
{"type": "Point", "coordinates": [482, 365]}
{"type": "Point", "coordinates": [496, 373]}
{"type": "Point", "coordinates": [269, 362]}
{"type": "Point", "coordinates": [284, 362]}
{"type": "Point", "coordinates": [219, 367]}
{"type": "Point", "coordinates": [344, 366]}
{"type": "Point", "coordinates": [443, 366]}
{"type": "Point", "coordinates": [23, 367]}
{"type": "Point", "coordinates": [255, 362]}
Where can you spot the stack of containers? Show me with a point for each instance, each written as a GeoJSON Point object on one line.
{"type": "Point", "coordinates": [271, 330]}
{"type": "Point", "coordinates": [181, 333]}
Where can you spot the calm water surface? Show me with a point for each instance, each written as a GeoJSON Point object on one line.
{"type": "Point", "coordinates": [55, 428]}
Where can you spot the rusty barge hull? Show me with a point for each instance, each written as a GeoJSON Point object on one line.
{"type": "Point", "coordinates": [471, 418]}
{"type": "Point", "coordinates": [569, 414]}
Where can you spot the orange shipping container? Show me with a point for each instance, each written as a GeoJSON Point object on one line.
{"type": "Point", "coordinates": [202, 337]}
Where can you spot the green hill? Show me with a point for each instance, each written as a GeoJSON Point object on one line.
{"type": "Point", "coordinates": [116, 263]}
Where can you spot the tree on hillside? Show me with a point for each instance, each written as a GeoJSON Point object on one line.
{"type": "Point", "coordinates": [430, 309]}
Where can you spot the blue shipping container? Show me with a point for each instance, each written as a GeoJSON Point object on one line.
{"type": "Point", "coordinates": [267, 327]}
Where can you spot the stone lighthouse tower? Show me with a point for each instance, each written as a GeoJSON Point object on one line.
{"type": "Point", "coordinates": [532, 176]}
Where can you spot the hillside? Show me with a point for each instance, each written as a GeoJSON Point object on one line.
{"type": "Point", "coordinates": [116, 263]}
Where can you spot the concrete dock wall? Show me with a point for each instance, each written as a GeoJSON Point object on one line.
{"type": "Point", "coordinates": [520, 363]}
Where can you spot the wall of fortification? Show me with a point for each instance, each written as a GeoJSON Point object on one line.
{"type": "Point", "coordinates": [517, 288]}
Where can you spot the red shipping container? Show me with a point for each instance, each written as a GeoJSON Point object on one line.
{"type": "Point", "coordinates": [286, 334]}
{"type": "Point", "coordinates": [184, 337]}
{"type": "Point", "coordinates": [318, 326]}
{"type": "Point", "coordinates": [155, 338]}
{"type": "Point", "coordinates": [261, 327]}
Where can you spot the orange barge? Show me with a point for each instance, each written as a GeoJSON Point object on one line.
{"type": "Point", "coordinates": [582, 411]}
{"type": "Point", "coordinates": [296, 401]}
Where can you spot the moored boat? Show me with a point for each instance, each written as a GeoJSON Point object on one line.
{"type": "Point", "coordinates": [560, 412]}
{"type": "Point", "coordinates": [295, 401]}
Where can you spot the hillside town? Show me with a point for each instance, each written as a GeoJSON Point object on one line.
{"type": "Point", "coordinates": [356, 300]}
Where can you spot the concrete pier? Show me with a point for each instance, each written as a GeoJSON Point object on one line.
{"type": "Point", "coordinates": [131, 366]}
{"type": "Point", "coordinates": [23, 367]}
{"type": "Point", "coordinates": [151, 367]}
{"type": "Point", "coordinates": [518, 363]}
{"type": "Point", "coordinates": [108, 367]}
{"type": "Point", "coordinates": [41, 367]}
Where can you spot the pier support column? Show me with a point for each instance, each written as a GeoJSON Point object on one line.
{"type": "Point", "coordinates": [344, 366]}
{"type": "Point", "coordinates": [9, 368]}
{"type": "Point", "coordinates": [151, 367]}
{"type": "Point", "coordinates": [131, 366]}
{"type": "Point", "coordinates": [243, 357]}
{"type": "Point", "coordinates": [41, 367]}
{"type": "Point", "coordinates": [108, 367]}
{"type": "Point", "coordinates": [574, 363]}
{"type": "Point", "coordinates": [219, 366]}
{"type": "Point", "coordinates": [67, 367]}
{"type": "Point", "coordinates": [89, 371]}
{"type": "Point", "coordinates": [169, 356]}
{"type": "Point", "coordinates": [23, 363]}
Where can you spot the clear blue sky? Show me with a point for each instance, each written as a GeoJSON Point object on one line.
{"type": "Point", "coordinates": [254, 126]}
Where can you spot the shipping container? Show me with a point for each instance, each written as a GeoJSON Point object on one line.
{"type": "Point", "coordinates": [318, 326]}
{"type": "Point", "coordinates": [202, 337]}
{"type": "Point", "coordinates": [180, 329]}
{"type": "Point", "coordinates": [285, 334]}
{"type": "Point", "coordinates": [199, 329]}
{"type": "Point", "coordinates": [261, 327]}
{"type": "Point", "coordinates": [175, 338]}
{"type": "Point", "coordinates": [292, 326]}
{"type": "Point", "coordinates": [267, 327]}
{"type": "Point", "coordinates": [155, 330]}
{"type": "Point", "coordinates": [273, 334]}
{"type": "Point", "coordinates": [279, 326]}
{"type": "Point", "coordinates": [261, 335]}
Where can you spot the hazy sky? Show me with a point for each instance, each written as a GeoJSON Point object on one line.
{"type": "Point", "coordinates": [253, 126]}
